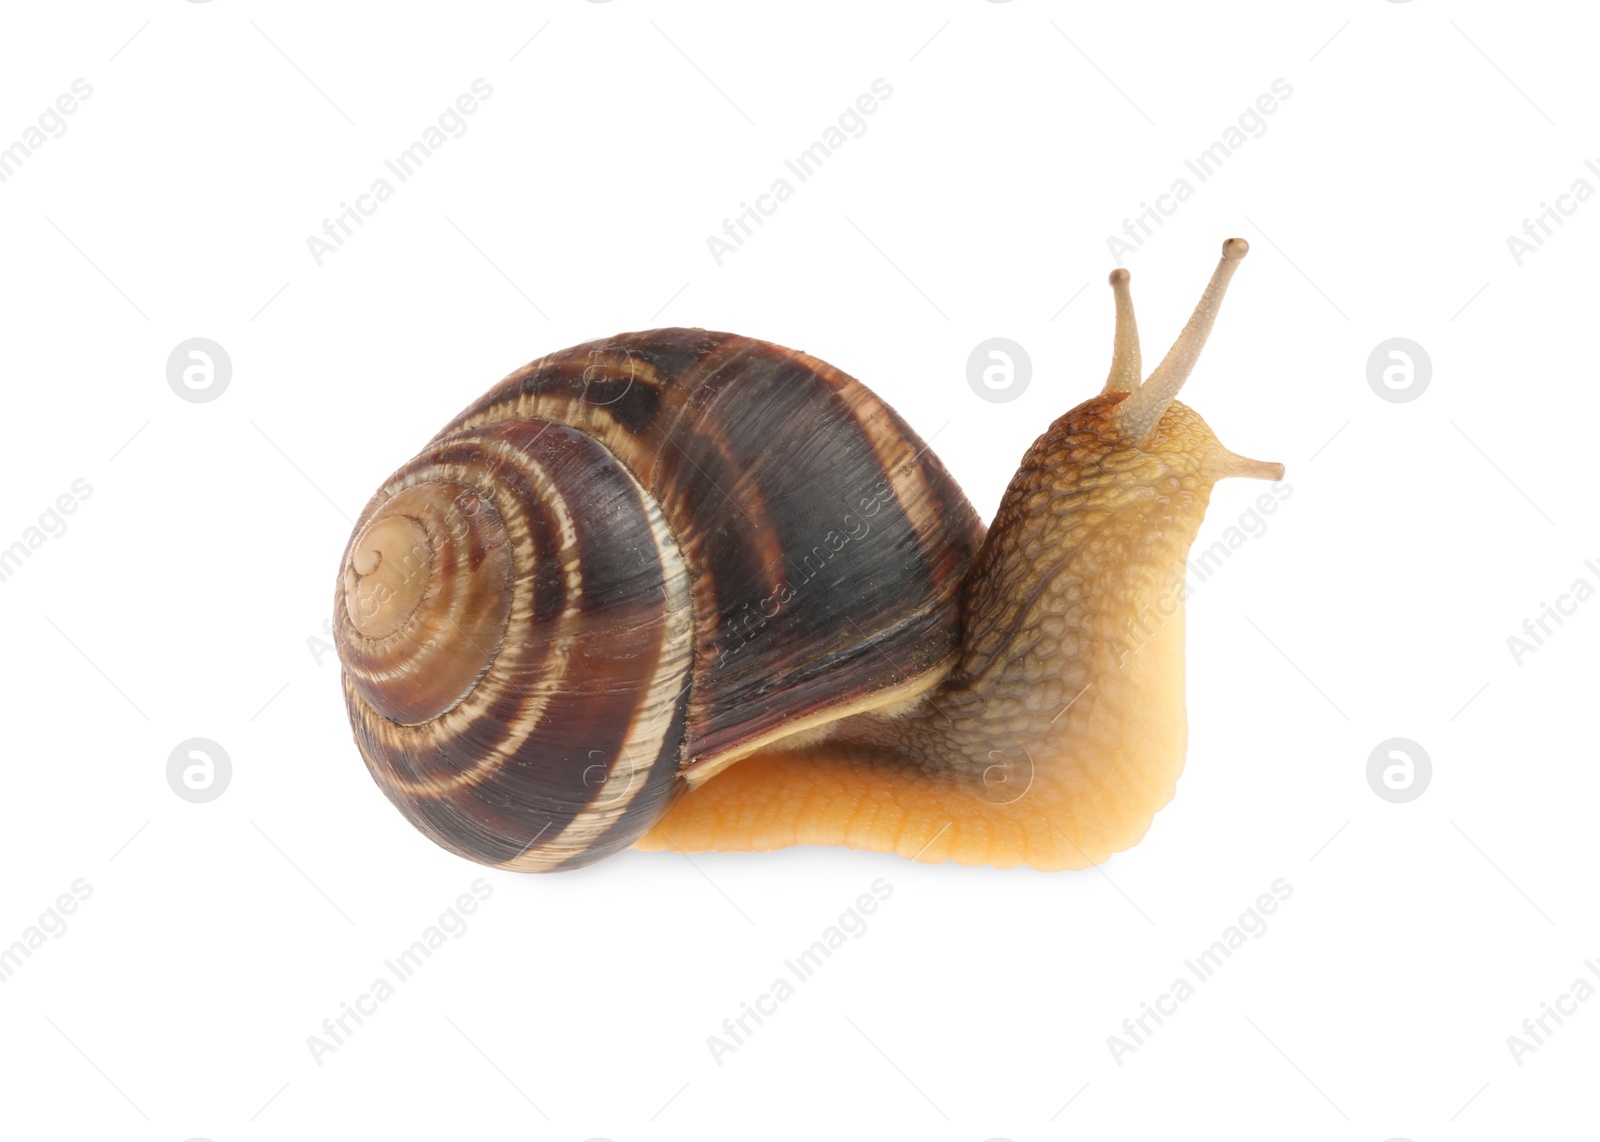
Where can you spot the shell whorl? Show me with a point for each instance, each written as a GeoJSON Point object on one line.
{"type": "Point", "coordinates": [631, 563]}
{"type": "Point", "coordinates": [514, 622]}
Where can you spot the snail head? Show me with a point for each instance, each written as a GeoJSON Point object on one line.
{"type": "Point", "coordinates": [1140, 425]}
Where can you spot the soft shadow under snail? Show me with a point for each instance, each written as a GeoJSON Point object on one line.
{"type": "Point", "coordinates": [686, 590]}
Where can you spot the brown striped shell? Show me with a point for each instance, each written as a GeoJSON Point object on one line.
{"type": "Point", "coordinates": [628, 564]}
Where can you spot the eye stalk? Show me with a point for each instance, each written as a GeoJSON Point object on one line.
{"type": "Point", "coordinates": [1138, 415]}
{"type": "Point", "coordinates": [1124, 376]}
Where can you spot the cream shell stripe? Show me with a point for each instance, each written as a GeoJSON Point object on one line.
{"type": "Point", "coordinates": [577, 700]}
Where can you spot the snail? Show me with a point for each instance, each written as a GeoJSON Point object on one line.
{"type": "Point", "coordinates": [687, 590]}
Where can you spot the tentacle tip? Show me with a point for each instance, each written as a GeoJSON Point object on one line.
{"type": "Point", "coordinates": [1249, 469]}
{"type": "Point", "coordinates": [1120, 276]}
{"type": "Point", "coordinates": [1234, 249]}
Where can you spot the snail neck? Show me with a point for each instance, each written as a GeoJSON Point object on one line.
{"type": "Point", "coordinates": [1067, 713]}
{"type": "Point", "coordinates": [1073, 619]}
{"type": "Point", "coordinates": [1064, 722]}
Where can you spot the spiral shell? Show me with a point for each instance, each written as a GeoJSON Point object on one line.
{"type": "Point", "coordinates": [630, 563]}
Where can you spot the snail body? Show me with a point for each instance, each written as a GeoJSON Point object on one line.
{"type": "Point", "coordinates": [688, 590]}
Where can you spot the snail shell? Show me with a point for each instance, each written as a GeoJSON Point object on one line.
{"type": "Point", "coordinates": [633, 562]}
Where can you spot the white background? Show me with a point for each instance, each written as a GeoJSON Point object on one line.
{"type": "Point", "coordinates": [186, 594]}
